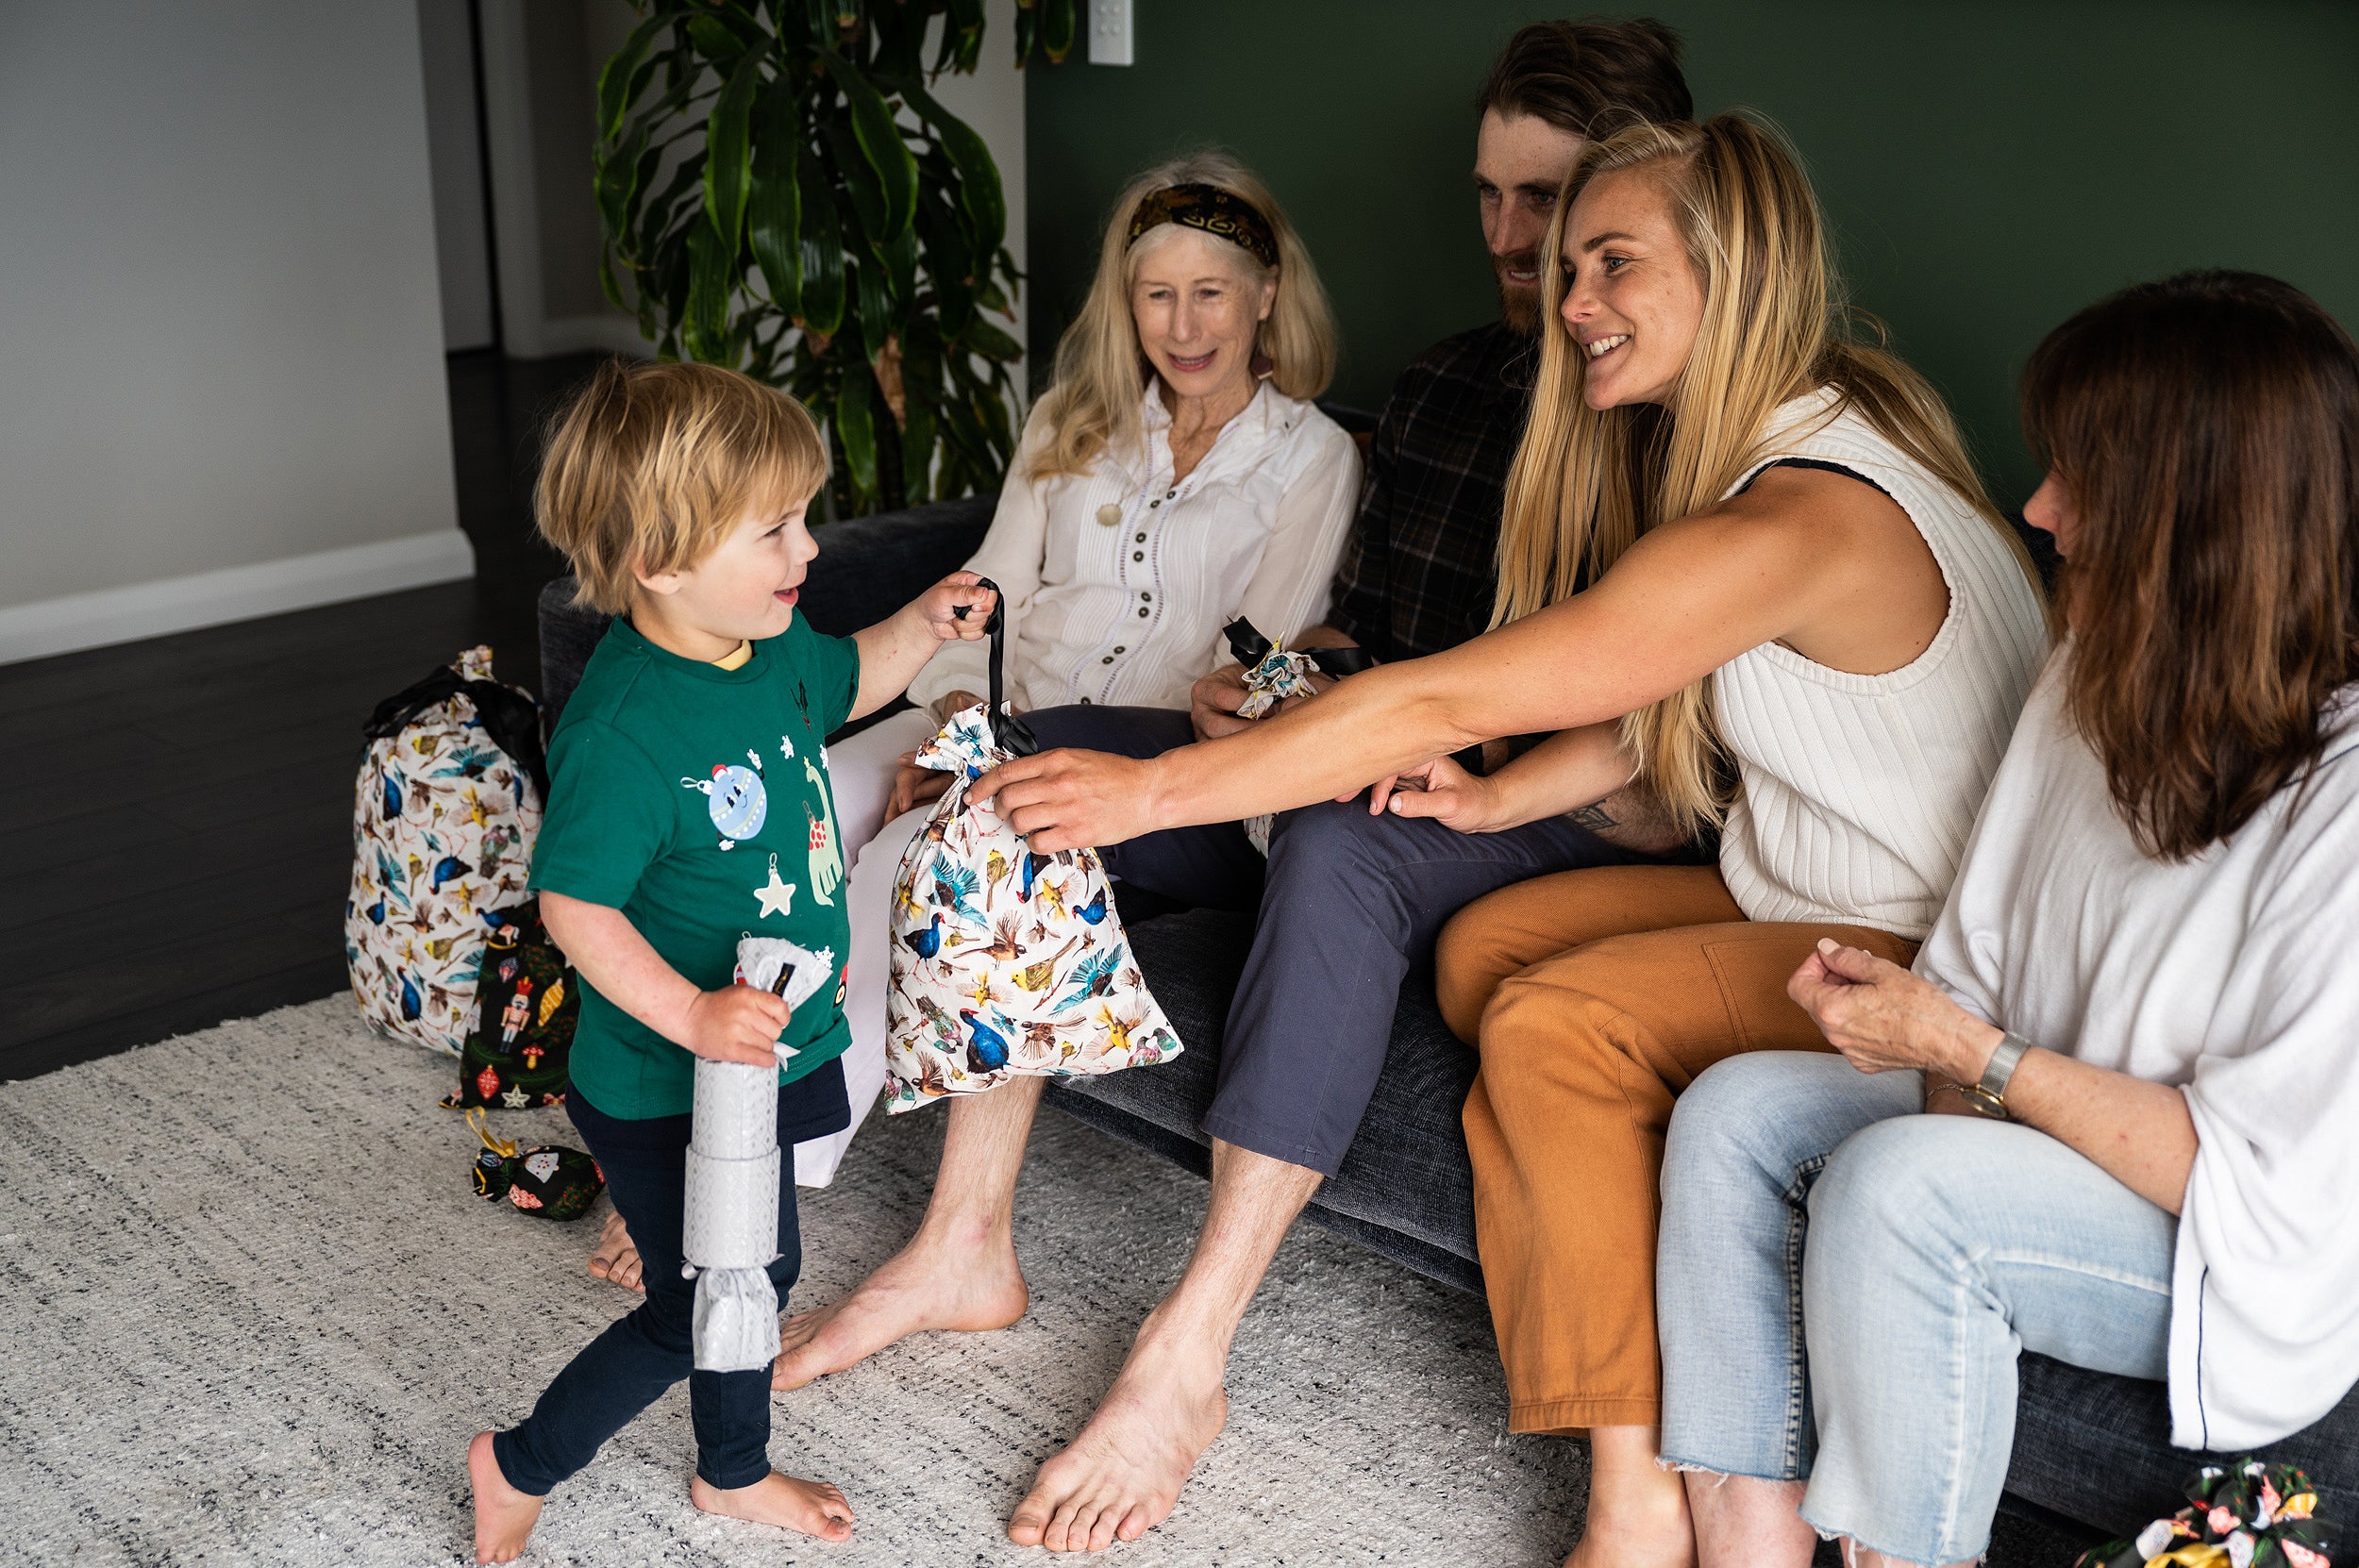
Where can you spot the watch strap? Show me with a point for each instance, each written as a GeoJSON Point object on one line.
{"type": "Point", "coordinates": [1989, 1093]}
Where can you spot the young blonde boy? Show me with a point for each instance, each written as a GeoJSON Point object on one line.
{"type": "Point", "coordinates": [689, 803]}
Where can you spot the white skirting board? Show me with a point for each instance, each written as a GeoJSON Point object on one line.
{"type": "Point", "coordinates": [234, 593]}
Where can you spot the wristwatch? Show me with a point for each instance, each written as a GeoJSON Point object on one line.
{"type": "Point", "coordinates": [1988, 1094]}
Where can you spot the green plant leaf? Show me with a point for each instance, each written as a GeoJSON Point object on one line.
{"type": "Point", "coordinates": [860, 183]}
{"type": "Point", "coordinates": [715, 41]}
{"type": "Point", "coordinates": [876, 310]}
{"type": "Point", "coordinates": [921, 392]}
{"type": "Point", "coordinates": [774, 210]}
{"type": "Point", "coordinates": [979, 189]}
{"type": "Point", "coordinates": [962, 32]}
{"type": "Point", "coordinates": [1026, 30]}
{"type": "Point", "coordinates": [900, 271]}
{"type": "Point", "coordinates": [720, 150]}
{"type": "Point", "coordinates": [1056, 29]}
{"type": "Point", "coordinates": [880, 143]}
{"type": "Point", "coordinates": [615, 79]}
{"type": "Point", "coordinates": [618, 179]}
{"type": "Point", "coordinates": [656, 217]}
{"type": "Point", "coordinates": [711, 279]}
{"type": "Point", "coordinates": [856, 428]}
{"type": "Point", "coordinates": [982, 337]}
{"type": "Point", "coordinates": [948, 263]}
{"type": "Point", "coordinates": [822, 247]}
{"type": "Point", "coordinates": [729, 151]}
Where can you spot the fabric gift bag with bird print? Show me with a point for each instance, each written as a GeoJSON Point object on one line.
{"type": "Point", "coordinates": [444, 815]}
{"type": "Point", "coordinates": [1004, 962]}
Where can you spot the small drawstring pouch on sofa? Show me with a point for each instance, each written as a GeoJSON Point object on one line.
{"type": "Point", "coordinates": [1273, 672]}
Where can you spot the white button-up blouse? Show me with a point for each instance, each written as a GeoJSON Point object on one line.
{"type": "Point", "coordinates": [1119, 581]}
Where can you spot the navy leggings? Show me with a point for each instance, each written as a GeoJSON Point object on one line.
{"type": "Point", "coordinates": [1348, 904]}
{"type": "Point", "coordinates": [637, 1359]}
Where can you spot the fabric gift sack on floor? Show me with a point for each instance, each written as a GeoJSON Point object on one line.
{"type": "Point", "coordinates": [443, 822]}
{"type": "Point", "coordinates": [1004, 961]}
{"type": "Point", "coordinates": [519, 1054]}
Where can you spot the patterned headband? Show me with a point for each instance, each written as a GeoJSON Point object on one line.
{"type": "Point", "coordinates": [1219, 213]}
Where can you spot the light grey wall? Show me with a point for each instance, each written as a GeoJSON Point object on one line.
{"type": "Point", "coordinates": [541, 60]}
{"type": "Point", "coordinates": [462, 242]}
{"type": "Point", "coordinates": [220, 327]}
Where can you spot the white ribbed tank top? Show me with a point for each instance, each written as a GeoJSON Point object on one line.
{"type": "Point", "coordinates": [1855, 794]}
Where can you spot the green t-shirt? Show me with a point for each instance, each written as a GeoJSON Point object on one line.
{"type": "Point", "coordinates": [695, 799]}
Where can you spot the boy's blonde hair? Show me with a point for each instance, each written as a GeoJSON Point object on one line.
{"type": "Point", "coordinates": [651, 465]}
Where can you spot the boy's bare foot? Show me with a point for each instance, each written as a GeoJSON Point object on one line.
{"type": "Point", "coordinates": [614, 1259]}
{"type": "Point", "coordinates": [812, 1508]}
{"type": "Point", "coordinates": [970, 1285]}
{"type": "Point", "coordinates": [504, 1516]}
{"type": "Point", "coordinates": [1122, 1475]}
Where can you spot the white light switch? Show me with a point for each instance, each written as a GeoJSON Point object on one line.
{"type": "Point", "coordinates": [1110, 32]}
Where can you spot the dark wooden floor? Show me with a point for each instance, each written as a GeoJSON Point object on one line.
{"type": "Point", "coordinates": [175, 815]}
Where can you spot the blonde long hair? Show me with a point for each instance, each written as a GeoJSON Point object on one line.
{"type": "Point", "coordinates": [1093, 405]}
{"type": "Point", "coordinates": [1586, 483]}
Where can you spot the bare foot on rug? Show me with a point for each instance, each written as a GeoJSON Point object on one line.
{"type": "Point", "coordinates": [1122, 1475]}
{"type": "Point", "coordinates": [614, 1259]}
{"type": "Point", "coordinates": [809, 1507]}
{"type": "Point", "coordinates": [504, 1516]}
{"type": "Point", "coordinates": [970, 1286]}
{"type": "Point", "coordinates": [1638, 1515]}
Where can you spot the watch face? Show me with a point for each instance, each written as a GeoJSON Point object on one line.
{"type": "Point", "coordinates": [1988, 1104]}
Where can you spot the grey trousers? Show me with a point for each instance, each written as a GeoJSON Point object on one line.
{"type": "Point", "coordinates": [1348, 904]}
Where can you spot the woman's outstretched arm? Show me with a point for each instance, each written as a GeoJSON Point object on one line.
{"type": "Point", "coordinates": [1797, 550]}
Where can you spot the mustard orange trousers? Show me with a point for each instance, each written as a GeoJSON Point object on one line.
{"type": "Point", "coordinates": [1595, 997]}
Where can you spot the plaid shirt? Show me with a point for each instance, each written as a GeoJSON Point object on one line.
{"type": "Point", "coordinates": [1422, 565]}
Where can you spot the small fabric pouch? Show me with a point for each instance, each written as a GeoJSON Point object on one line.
{"type": "Point", "coordinates": [2242, 1515]}
{"type": "Point", "coordinates": [1273, 672]}
{"type": "Point", "coordinates": [518, 1055]}
{"type": "Point", "coordinates": [551, 1181]}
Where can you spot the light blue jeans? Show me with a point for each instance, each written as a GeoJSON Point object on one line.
{"type": "Point", "coordinates": [1843, 1286]}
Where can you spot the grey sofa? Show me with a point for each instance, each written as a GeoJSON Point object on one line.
{"type": "Point", "coordinates": [2092, 1453]}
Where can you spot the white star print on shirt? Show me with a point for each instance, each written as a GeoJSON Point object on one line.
{"type": "Point", "coordinates": [779, 898]}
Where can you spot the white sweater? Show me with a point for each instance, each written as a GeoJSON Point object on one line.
{"type": "Point", "coordinates": [2230, 976]}
{"type": "Point", "coordinates": [1119, 582]}
{"type": "Point", "coordinates": [1856, 792]}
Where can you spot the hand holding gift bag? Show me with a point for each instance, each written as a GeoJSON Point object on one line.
{"type": "Point", "coordinates": [1004, 962]}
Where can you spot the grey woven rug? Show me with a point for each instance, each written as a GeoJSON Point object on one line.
{"type": "Point", "coordinates": [250, 1312]}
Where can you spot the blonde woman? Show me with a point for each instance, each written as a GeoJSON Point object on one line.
{"type": "Point", "coordinates": [1806, 623]}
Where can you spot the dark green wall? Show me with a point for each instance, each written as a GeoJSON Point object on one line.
{"type": "Point", "coordinates": [1988, 168]}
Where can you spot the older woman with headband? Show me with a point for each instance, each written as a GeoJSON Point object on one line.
{"type": "Point", "coordinates": [1175, 477]}
{"type": "Point", "coordinates": [1798, 585]}
{"type": "Point", "coordinates": [2138, 1011]}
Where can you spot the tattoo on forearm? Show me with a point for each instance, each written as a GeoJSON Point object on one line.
{"type": "Point", "coordinates": [1631, 818]}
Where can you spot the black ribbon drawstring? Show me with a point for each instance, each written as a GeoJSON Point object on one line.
{"type": "Point", "coordinates": [1011, 734]}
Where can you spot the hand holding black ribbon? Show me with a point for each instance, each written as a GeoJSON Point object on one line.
{"type": "Point", "coordinates": [1012, 734]}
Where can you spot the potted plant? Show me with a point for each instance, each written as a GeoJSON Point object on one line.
{"type": "Point", "coordinates": [788, 199]}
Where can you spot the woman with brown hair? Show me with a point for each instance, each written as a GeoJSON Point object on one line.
{"type": "Point", "coordinates": [1805, 615]}
{"type": "Point", "coordinates": [2138, 1009]}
